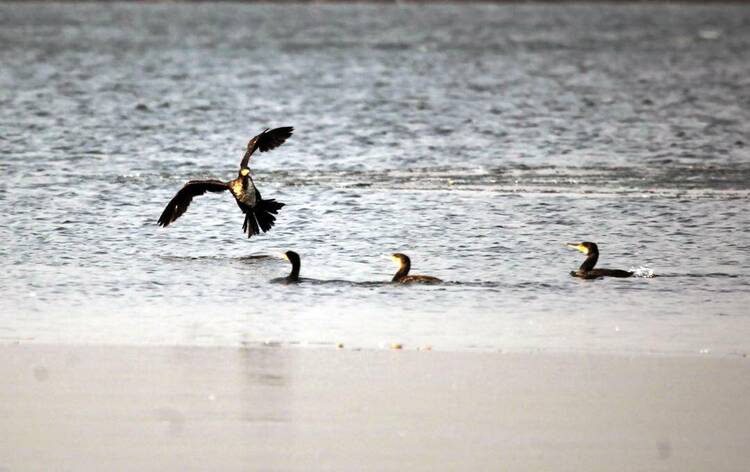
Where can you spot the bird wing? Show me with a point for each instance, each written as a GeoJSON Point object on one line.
{"type": "Point", "coordinates": [180, 202]}
{"type": "Point", "coordinates": [266, 141]}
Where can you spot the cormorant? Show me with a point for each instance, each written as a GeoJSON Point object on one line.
{"type": "Point", "coordinates": [587, 271]}
{"type": "Point", "coordinates": [403, 277]}
{"type": "Point", "coordinates": [258, 212]}
{"type": "Point", "coordinates": [293, 276]}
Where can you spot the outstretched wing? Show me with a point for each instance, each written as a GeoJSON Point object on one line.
{"type": "Point", "coordinates": [266, 141]}
{"type": "Point", "coordinates": [180, 202]}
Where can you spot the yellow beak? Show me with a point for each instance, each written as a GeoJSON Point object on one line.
{"type": "Point", "coordinates": [578, 246]}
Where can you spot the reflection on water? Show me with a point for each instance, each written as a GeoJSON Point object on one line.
{"type": "Point", "coordinates": [266, 378]}
{"type": "Point", "coordinates": [477, 139]}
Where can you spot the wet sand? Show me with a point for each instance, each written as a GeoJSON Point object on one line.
{"type": "Point", "coordinates": [186, 408]}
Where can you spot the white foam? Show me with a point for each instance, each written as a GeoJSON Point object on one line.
{"type": "Point", "coordinates": [643, 272]}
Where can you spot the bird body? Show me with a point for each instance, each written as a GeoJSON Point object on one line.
{"type": "Point", "coordinates": [598, 273]}
{"type": "Point", "coordinates": [259, 213]}
{"type": "Point", "coordinates": [418, 279]}
{"type": "Point", "coordinates": [243, 189]}
{"type": "Point", "coordinates": [587, 270]}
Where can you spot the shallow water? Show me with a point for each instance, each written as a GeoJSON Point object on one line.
{"type": "Point", "coordinates": [478, 139]}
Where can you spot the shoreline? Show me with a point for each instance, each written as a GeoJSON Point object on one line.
{"type": "Point", "coordinates": [395, 345]}
{"type": "Point", "coordinates": [197, 408]}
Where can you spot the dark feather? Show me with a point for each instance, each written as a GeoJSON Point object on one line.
{"type": "Point", "coordinates": [180, 202]}
{"type": "Point", "coordinates": [250, 226]}
{"type": "Point", "coordinates": [419, 279]}
{"type": "Point", "coordinates": [266, 141]}
{"type": "Point", "coordinates": [261, 216]}
{"type": "Point", "coordinates": [274, 138]}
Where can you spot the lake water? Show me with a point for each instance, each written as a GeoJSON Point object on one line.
{"type": "Point", "coordinates": [478, 139]}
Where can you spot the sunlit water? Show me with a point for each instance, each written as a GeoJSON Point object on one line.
{"type": "Point", "coordinates": [478, 139]}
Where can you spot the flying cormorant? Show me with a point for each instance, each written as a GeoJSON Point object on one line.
{"type": "Point", "coordinates": [259, 213]}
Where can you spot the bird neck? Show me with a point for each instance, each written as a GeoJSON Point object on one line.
{"type": "Point", "coordinates": [403, 271]}
{"type": "Point", "coordinates": [294, 275]}
{"type": "Point", "coordinates": [243, 178]}
{"type": "Point", "coordinates": [590, 262]}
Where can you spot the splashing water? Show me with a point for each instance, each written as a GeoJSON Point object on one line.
{"type": "Point", "coordinates": [644, 272]}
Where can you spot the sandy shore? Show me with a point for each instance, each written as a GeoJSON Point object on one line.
{"type": "Point", "coordinates": [161, 408]}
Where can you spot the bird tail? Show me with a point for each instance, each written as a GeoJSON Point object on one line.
{"type": "Point", "coordinates": [261, 216]}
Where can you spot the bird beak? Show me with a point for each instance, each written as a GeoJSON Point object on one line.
{"type": "Point", "coordinates": [578, 246]}
{"type": "Point", "coordinates": [392, 258]}
{"type": "Point", "coordinates": [282, 255]}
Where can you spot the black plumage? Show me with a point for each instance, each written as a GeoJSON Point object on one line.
{"type": "Point", "coordinates": [293, 276]}
{"type": "Point", "coordinates": [402, 275]}
{"type": "Point", "coordinates": [587, 270]}
{"type": "Point", "coordinates": [259, 213]}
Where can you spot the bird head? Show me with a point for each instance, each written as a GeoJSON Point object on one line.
{"type": "Point", "coordinates": [400, 259]}
{"type": "Point", "coordinates": [290, 256]}
{"type": "Point", "coordinates": [585, 247]}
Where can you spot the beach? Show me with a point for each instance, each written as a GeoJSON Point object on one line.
{"type": "Point", "coordinates": [78, 407]}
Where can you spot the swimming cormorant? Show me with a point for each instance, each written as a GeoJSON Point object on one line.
{"type": "Point", "coordinates": [587, 271]}
{"type": "Point", "coordinates": [293, 276]}
{"type": "Point", "coordinates": [259, 213]}
{"type": "Point", "coordinates": [403, 277]}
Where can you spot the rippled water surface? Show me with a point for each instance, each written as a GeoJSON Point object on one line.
{"type": "Point", "coordinates": [478, 139]}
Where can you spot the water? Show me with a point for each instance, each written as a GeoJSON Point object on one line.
{"type": "Point", "coordinates": [478, 139]}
